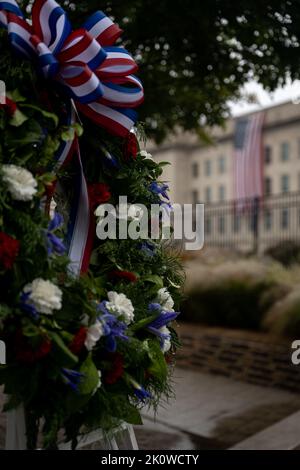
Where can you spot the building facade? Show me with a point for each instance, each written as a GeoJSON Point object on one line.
{"type": "Point", "coordinates": [205, 173]}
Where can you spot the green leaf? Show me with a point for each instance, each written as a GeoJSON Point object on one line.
{"type": "Point", "coordinates": [18, 118]}
{"type": "Point", "coordinates": [30, 132]}
{"type": "Point", "coordinates": [5, 310]}
{"type": "Point", "coordinates": [68, 134]}
{"type": "Point", "coordinates": [131, 415]}
{"type": "Point", "coordinates": [91, 377]}
{"type": "Point", "coordinates": [143, 323]}
{"type": "Point", "coordinates": [16, 96]}
{"type": "Point", "coordinates": [78, 129]}
{"type": "Point", "coordinates": [44, 113]}
{"type": "Point", "coordinates": [154, 279]}
{"type": "Point", "coordinates": [67, 358]}
{"type": "Point", "coordinates": [158, 367]}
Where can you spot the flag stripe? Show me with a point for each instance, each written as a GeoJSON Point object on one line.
{"type": "Point", "coordinates": [248, 181]}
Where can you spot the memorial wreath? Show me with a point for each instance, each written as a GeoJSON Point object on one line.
{"type": "Point", "coordinates": [86, 321]}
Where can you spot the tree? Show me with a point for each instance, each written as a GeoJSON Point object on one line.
{"type": "Point", "coordinates": [195, 55]}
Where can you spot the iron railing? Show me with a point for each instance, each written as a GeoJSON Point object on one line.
{"type": "Point", "coordinates": [253, 224]}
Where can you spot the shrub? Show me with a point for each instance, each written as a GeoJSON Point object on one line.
{"type": "Point", "coordinates": [287, 252]}
{"type": "Point", "coordinates": [283, 318]}
{"type": "Point", "coordinates": [233, 303]}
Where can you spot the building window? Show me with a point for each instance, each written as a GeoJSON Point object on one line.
{"type": "Point", "coordinates": [207, 167]}
{"type": "Point", "coordinates": [222, 165]}
{"type": "Point", "coordinates": [285, 183]}
{"type": "Point", "coordinates": [285, 151]}
{"type": "Point", "coordinates": [195, 196]}
{"type": "Point", "coordinates": [208, 194]}
{"type": "Point", "coordinates": [221, 224]}
{"type": "Point", "coordinates": [195, 170]}
{"type": "Point", "coordinates": [236, 223]}
{"type": "Point", "coordinates": [268, 220]}
{"type": "Point", "coordinates": [284, 218]}
{"type": "Point", "coordinates": [207, 227]}
{"type": "Point", "coordinates": [267, 154]}
{"type": "Point", "coordinates": [268, 186]}
{"type": "Point", "coordinates": [222, 193]}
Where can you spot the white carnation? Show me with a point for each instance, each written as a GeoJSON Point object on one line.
{"type": "Point", "coordinates": [94, 333]}
{"type": "Point", "coordinates": [165, 300]}
{"type": "Point", "coordinates": [120, 305]}
{"type": "Point", "coordinates": [44, 296]}
{"type": "Point", "coordinates": [20, 182]}
{"type": "Point", "coordinates": [146, 154]}
{"type": "Point", "coordinates": [166, 342]}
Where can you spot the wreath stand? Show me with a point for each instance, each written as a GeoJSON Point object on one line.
{"type": "Point", "coordinates": [16, 435]}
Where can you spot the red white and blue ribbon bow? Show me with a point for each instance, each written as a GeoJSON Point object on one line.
{"type": "Point", "coordinates": [94, 73]}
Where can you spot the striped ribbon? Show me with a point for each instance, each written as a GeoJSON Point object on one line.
{"type": "Point", "coordinates": [93, 72]}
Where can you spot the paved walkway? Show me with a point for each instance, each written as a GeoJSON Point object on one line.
{"type": "Point", "coordinates": [210, 412]}
{"type": "Point", "coordinates": [213, 412]}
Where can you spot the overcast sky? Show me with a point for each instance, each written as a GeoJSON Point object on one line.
{"type": "Point", "coordinates": [289, 92]}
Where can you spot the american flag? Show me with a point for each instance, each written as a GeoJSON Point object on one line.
{"type": "Point", "coordinates": [248, 157]}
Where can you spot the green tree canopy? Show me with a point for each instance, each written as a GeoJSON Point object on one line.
{"type": "Point", "coordinates": [195, 55]}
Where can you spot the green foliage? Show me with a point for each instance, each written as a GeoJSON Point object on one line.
{"type": "Point", "coordinates": [91, 377]}
{"type": "Point", "coordinates": [158, 367]}
{"type": "Point", "coordinates": [286, 252]}
{"type": "Point", "coordinates": [232, 303]}
{"type": "Point", "coordinates": [283, 317]}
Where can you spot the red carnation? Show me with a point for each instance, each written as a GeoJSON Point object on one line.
{"type": "Point", "coordinates": [127, 275]}
{"type": "Point", "coordinates": [77, 342]}
{"type": "Point", "coordinates": [10, 106]}
{"type": "Point", "coordinates": [26, 352]}
{"type": "Point", "coordinates": [98, 193]}
{"type": "Point", "coordinates": [9, 249]}
{"type": "Point", "coordinates": [117, 369]}
{"type": "Point", "coordinates": [130, 147]}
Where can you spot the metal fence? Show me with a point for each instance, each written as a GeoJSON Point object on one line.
{"type": "Point", "coordinates": [253, 224]}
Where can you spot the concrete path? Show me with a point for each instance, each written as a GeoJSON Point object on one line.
{"type": "Point", "coordinates": [214, 412]}
{"type": "Point", "coordinates": [283, 435]}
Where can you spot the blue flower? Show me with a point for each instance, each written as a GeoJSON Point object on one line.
{"type": "Point", "coordinates": [112, 327]}
{"type": "Point", "coordinates": [163, 318]}
{"type": "Point", "coordinates": [139, 391]}
{"type": "Point", "coordinates": [55, 222]}
{"type": "Point", "coordinates": [101, 307]}
{"type": "Point", "coordinates": [72, 378]}
{"type": "Point", "coordinates": [27, 306]}
{"type": "Point", "coordinates": [158, 326]}
{"type": "Point", "coordinates": [160, 189]}
{"type": "Point", "coordinates": [153, 307]}
{"type": "Point", "coordinates": [167, 206]}
{"type": "Point", "coordinates": [148, 248]}
{"type": "Point", "coordinates": [55, 244]}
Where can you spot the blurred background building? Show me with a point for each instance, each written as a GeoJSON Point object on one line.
{"type": "Point", "coordinates": [248, 177]}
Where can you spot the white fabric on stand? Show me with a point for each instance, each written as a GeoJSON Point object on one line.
{"type": "Point", "coordinates": [16, 434]}
{"type": "Point", "coordinates": [15, 429]}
